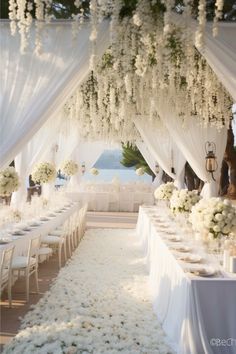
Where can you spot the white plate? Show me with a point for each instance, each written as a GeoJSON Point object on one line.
{"type": "Point", "coordinates": [202, 272]}
{"type": "Point", "coordinates": [190, 258]}
{"type": "Point", "coordinates": [182, 249]}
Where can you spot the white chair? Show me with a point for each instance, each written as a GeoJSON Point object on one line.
{"type": "Point", "coordinates": [44, 253]}
{"type": "Point", "coordinates": [28, 265]}
{"type": "Point", "coordinates": [57, 240]}
{"type": "Point", "coordinates": [5, 272]}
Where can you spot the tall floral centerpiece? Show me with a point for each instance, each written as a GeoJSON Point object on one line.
{"type": "Point", "coordinates": [213, 218]}
{"type": "Point", "coordinates": [140, 171]}
{"type": "Point", "coordinates": [183, 200]}
{"type": "Point", "coordinates": [164, 191]}
{"type": "Point", "coordinates": [94, 171]}
{"type": "Point", "coordinates": [9, 181]}
{"type": "Point", "coordinates": [69, 168]}
{"type": "Point", "coordinates": [44, 173]}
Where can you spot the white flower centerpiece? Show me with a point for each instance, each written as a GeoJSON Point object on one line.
{"type": "Point", "coordinates": [164, 191]}
{"type": "Point", "coordinates": [140, 171]}
{"type": "Point", "coordinates": [9, 181]}
{"type": "Point", "coordinates": [213, 218]}
{"type": "Point", "coordinates": [44, 173]}
{"type": "Point", "coordinates": [94, 171]}
{"type": "Point", "coordinates": [183, 200]}
{"type": "Point", "coordinates": [69, 168]}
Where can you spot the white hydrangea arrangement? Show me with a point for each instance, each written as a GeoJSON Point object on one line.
{"type": "Point", "coordinates": [183, 200]}
{"type": "Point", "coordinates": [140, 171]}
{"type": "Point", "coordinates": [94, 171]}
{"type": "Point", "coordinates": [44, 172]}
{"type": "Point", "coordinates": [9, 181]}
{"type": "Point", "coordinates": [69, 168]}
{"type": "Point", "coordinates": [214, 216]}
{"type": "Point", "coordinates": [164, 191]}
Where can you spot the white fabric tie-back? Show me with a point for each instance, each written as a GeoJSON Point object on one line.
{"type": "Point", "coordinates": [163, 149]}
{"type": "Point", "coordinates": [35, 87]}
{"type": "Point", "coordinates": [191, 141]}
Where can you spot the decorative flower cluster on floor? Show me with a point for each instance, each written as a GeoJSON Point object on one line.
{"type": "Point", "coordinates": [215, 216]}
{"type": "Point", "coordinates": [44, 172]}
{"type": "Point", "coordinates": [164, 191]}
{"type": "Point", "coordinates": [183, 200]}
{"type": "Point", "coordinates": [9, 181]}
{"type": "Point", "coordinates": [98, 304]}
{"type": "Point", "coordinates": [69, 168]}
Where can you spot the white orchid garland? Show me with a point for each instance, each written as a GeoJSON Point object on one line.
{"type": "Point", "coordinates": [144, 69]}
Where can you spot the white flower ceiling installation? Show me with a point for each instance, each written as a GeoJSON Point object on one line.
{"type": "Point", "coordinates": [152, 62]}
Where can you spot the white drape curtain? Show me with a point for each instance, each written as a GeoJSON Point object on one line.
{"type": "Point", "coordinates": [42, 147]}
{"type": "Point", "coordinates": [147, 155]}
{"type": "Point", "coordinates": [220, 53]}
{"type": "Point", "coordinates": [191, 141]}
{"type": "Point", "coordinates": [163, 149]}
{"type": "Point", "coordinates": [85, 153]}
{"type": "Point", "coordinates": [32, 87]}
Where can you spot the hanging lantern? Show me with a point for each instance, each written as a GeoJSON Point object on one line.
{"type": "Point", "coordinates": [157, 169]}
{"type": "Point", "coordinates": [83, 169]}
{"type": "Point", "coordinates": [211, 162]}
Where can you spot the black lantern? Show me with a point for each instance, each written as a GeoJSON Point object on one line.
{"type": "Point", "coordinates": [83, 169]}
{"type": "Point", "coordinates": [211, 163]}
{"type": "Point", "coordinates": [157, 169]}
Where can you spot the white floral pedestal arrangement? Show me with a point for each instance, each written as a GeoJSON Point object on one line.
{"type": "Point", "coordinates": [163, 193]}
{"type": "Point", "coordinates": [9, 182]}
{"type": "Point", "coordinates": [45, 174]}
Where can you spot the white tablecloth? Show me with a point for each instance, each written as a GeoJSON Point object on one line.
{"type": "Point", "coordinates": [22, 243]}
{"type": "Point", "coordinates": [197, 314]}
{"type": "Point", "coordinates": [113, 200]}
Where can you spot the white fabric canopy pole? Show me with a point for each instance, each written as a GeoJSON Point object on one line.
{"type": "Point", "coordinates": [163, 149]}
{"type": "Point", "coordinates": [191, 141]}
{"type": "Point", "coordinates": [35, 87]}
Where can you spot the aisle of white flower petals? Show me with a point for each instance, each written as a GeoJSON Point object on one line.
{"type": "Point", "coordinates": [99, 303]}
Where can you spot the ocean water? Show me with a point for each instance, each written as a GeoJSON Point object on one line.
{"type": "Point", "coordinates": [123, 175]}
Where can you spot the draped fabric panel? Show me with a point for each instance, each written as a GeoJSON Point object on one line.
{"type": "Point", "coordinates": [147, 155]}
{"type": "Point", "coordinates": [42, 147]}
{"type": "Point", "coordinates": [220, 53]}
{"type": "Point", "coordinates": [191, 141]}
{"type": "Point", "coordinates": [163, 149]}
{"type": "Point", "coordinates": [85, 153]}
{"type": "Point", "coordinates": [35, 87]}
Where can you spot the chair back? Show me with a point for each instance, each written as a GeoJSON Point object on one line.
{"type": "Point", "coordinates": [6, 263]}
{"type": "Point", "coordinates": [34, 247]}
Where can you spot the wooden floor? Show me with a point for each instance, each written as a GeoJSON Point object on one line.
{"type": "Point", "coordinates": [10, 318]}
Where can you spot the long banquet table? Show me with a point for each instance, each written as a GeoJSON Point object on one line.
{"type": "Point", "coordinates": [21, 243]}
{"type": "Point", "coordinates": [198, 314]}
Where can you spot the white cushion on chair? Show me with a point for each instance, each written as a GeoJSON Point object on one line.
{"type": "Point", "coordinates": [21, 262]}
{"type": "Point", "coordinates": [50, 239]}
{"type": "Point", "coordinates": [44, 251]}
{"type": "Point", "coordinates": [55, 233]}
